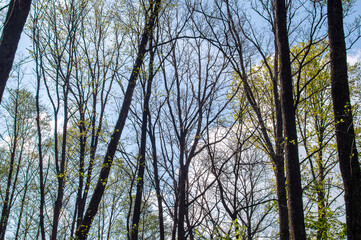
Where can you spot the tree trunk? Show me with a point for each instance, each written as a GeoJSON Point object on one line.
{"type": "Point", "coordinates": [41, 166]}
{"type": "Point", "coordinates": [345, 135]}
{"type": "Point", "coordinates": [293, 174]}
{"type": "Point", "coordinates": [182, 211]}
{"type": "Point", "coordinates": [142, 151]}
{"type": "Point", "coordinates": [282, 198]}
{"type": "Point", "coordinates": [278, 159]}
{"type": "Point", "coordinates": [7, 203]}
{"type": "Point", "coordinates": [15, 20]}
{"type": "Point", "coordinates": [61, 170]}
{"type": "Point", "coordinates": [157, 183]}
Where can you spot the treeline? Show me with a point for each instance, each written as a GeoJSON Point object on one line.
{"type": "Point", "coordinates": [179, 120]}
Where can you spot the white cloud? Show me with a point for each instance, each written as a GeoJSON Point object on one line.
{"type": "Point", "coordinates": [354, 56]}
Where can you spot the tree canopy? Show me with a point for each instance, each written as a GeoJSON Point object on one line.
{"type": "Point", "coordinates": [179, 120]}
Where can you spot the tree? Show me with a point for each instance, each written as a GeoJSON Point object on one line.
{"type": "Point", "coordinates": [78, 66]}
{"type": "Point", "coordinates": [166, 120]}
{"type": "Point", "coordinates": [13, 26]}
{"type": "Point", "coordinates": [345, 134]}
{"type": "Point", "coordinates": [293, 173]}
{"type": "Point", "coordinates": [147, 90]}
{"type": "Point", "coordinates": [242, 192]}
{"type": "Point", "coordinates": [56, 66]}
{"type": "Point", "coordinates": [191, 98]}
{"type": "Point", "coordinates": [92, 209]}
{"type": "Point", "coordinates": [233, 33]}
{"type": "Point", "coordinates": [20, 108]}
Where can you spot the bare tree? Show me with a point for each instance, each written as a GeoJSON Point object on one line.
{"type": "Point", "coordinates": [196, 85]}
{"type": "Point", "coordinates": [242, 194]}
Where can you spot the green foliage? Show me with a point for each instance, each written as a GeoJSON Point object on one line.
{"type": "Point", "coordinates": [316, 128]}
{"type": "Point", "coordinates": [312, 95]}
{"type": "Point", "coordinates": [236, 231]}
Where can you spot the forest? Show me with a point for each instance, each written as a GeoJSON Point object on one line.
{"type": "Point", "coordinates": [180, 119]}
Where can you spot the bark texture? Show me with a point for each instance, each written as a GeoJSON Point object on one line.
{"type": "Point", "coordinates": [293, 173]}
{"type": "Point", "coordinates": [345, 135]}
{"type": "Point", "coordinates": [15, 20]}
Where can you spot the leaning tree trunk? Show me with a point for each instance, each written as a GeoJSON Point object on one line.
{"type": "Point", "coordinates": [293, 173]}
{"type": "Point", "coordinates": [345, 135]}
{"type": "Point", "coordinates": [14, 23]}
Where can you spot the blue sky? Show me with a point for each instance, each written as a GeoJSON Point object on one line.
{"type": "Point", "coordinates": [354, 54]}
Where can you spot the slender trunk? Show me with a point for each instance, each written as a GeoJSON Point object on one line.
{"type": "Point", "coordinates": [6, 203]}
{"type": "Point", "coordinates": [157, 183]}
{"type": "Point", "coordinates": [111, 217]}
{"type": "Point", "coordinates": [64, 77]}
{"type": "Point", "coordinates": [279, 157]}
{"type": "Point", "coordinates": [41, 172]}
{"type": "Point", "coordinates": [96, 130]}
{"type": "Point", "coordinates": [82, 139]}
{"type": "Point", "coordinates": [345, 135]}
{"type": "Point", "coordinates": [21, 210]}
{"type": "Point", "coordinates": [140, 182]}
{"type": "Point", "coordinates": [38, 61]}
{"type": "Point", "coordinates": [142, 151]}
{"type": "Point", "coordinates": [61, 174]}
{"type": "Point", "coordinates": [82, 142]}
{"type": "Point", "coordinates": [321, 201]}
{"type": "Point", "coordinates": [293, 173]}
{"type": "Point", "coordinates": [14, 23]}
{"type": "Point", "coordinates": [130, 196]}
